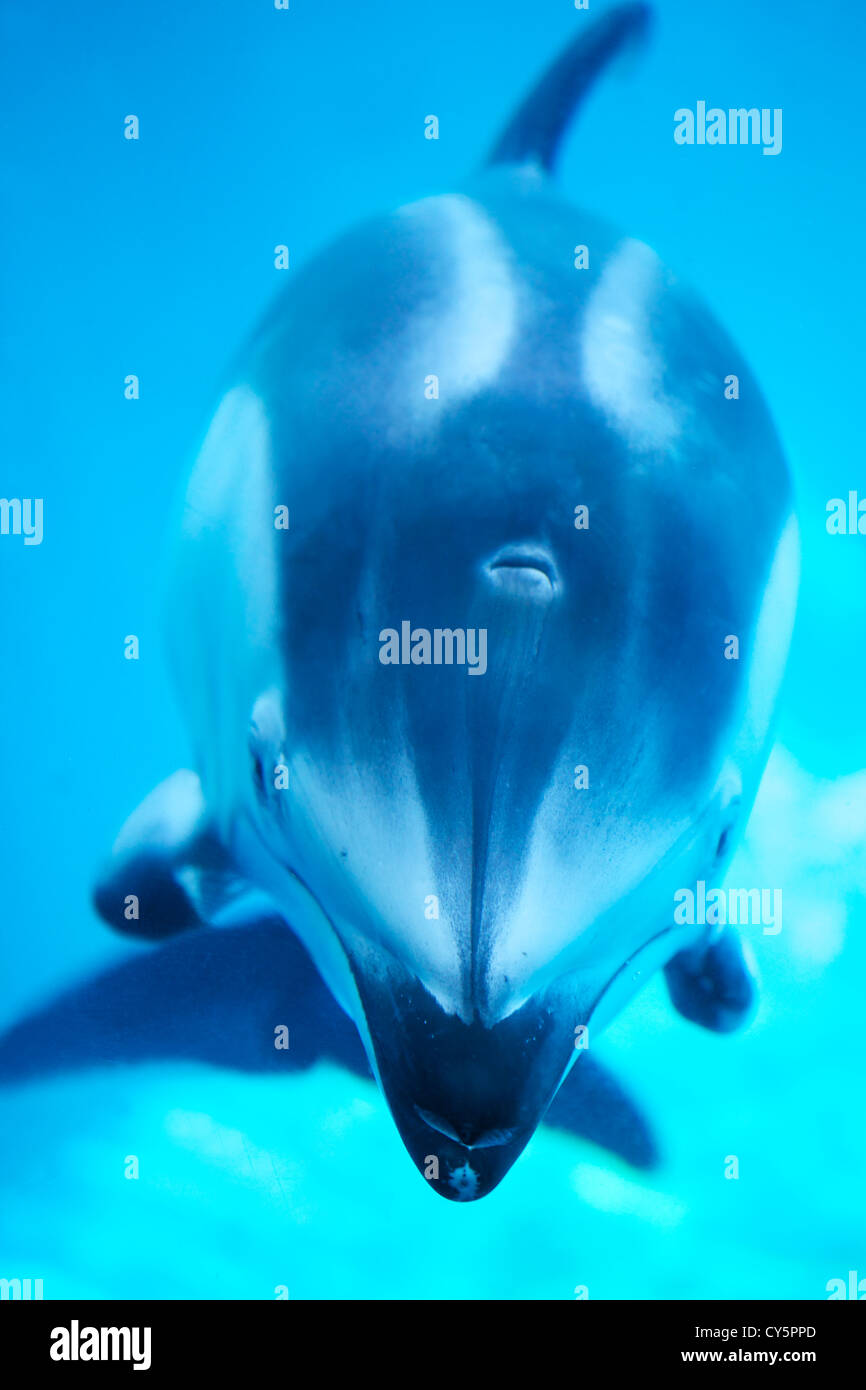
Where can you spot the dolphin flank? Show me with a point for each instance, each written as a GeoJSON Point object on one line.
{"type": "Point", "coordinates": [473, 433]}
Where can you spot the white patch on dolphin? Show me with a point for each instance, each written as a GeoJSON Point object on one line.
{"type": "Point", "coordinates": [619, 360]}
{"type": "Point", "coordinates": [773, 632]}
{"type": "Point", "coordinates": [464, 1182]}
{"type": "Point", "coordinates": [223, 587]}
{"type": "Point", "coordinates": [468, 343]}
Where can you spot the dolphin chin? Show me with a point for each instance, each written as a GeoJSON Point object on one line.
{"type": "Point", "coordinates": [466, 1096]}
{"type": "Point", "coordinates": [460, 1172]}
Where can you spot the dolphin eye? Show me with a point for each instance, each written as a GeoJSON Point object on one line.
{"type": "Point", "coordinates": [724, 841]}
{"type": "Point", "coordinates": [258, 772]}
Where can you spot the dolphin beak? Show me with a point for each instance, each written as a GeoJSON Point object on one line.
{"type": "Point", "coordinates": [466, 1097]}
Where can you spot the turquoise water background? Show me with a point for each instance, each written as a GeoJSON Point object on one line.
{"type": "Point", "coordinates": [155, 257]}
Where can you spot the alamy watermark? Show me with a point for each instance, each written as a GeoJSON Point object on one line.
{"type": "Point", "coordinates": [846, 518]}
{"type": "Point", "coordinates": [77, 1343]}
{"type": "Point", "coordinates": [443, 646]}
{"type": "Point", "coordinates": [22, 516]}
{"type": "Point", "coordinates": [736, 126]}
{"type": "Point", "coordinates": [738, 906]}
{"type": "Point", "coordinates": [20, 1288]}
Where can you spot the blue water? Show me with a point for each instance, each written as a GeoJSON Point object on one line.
{"type": "Point", "coordinates": [260, 127]}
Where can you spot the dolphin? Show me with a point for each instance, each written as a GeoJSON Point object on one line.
{"type": "Point", "coordinates": [452, 435]}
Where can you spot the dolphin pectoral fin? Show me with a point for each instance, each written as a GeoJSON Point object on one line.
{"type": "Point", "coordinates": [534, 133]}
{"type": "Point", "coordinates": [168, 871]}
{"type": "Point", "coordinates": [714, 985]}
{"type": "Point", "coordinates": [592, 1104]}
{"type": "Point", "coordinates": [213, 997]}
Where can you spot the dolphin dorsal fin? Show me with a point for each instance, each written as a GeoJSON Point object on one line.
{"type": "Point", "coordinates": [534, 132]}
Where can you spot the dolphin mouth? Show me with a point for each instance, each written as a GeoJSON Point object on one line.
{"type": "Point", "coordinates": [466, 1097]}
{"type": "Point", "coordinates": [487, 1139]}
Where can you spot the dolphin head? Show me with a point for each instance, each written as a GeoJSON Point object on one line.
{"type": "Point", "coordinates": [502, 701]}
{"type": "Point", "coordinates": [496, 847]}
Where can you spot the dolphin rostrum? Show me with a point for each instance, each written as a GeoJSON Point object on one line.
{"type": "Point", "coordinates": [452, 436]}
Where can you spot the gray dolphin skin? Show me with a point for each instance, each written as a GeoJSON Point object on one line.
{"type": "Point", "coordinates": [530, 470]}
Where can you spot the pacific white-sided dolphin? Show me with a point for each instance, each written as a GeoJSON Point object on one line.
{"type": "Point", "coordinates": [451, 423]}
